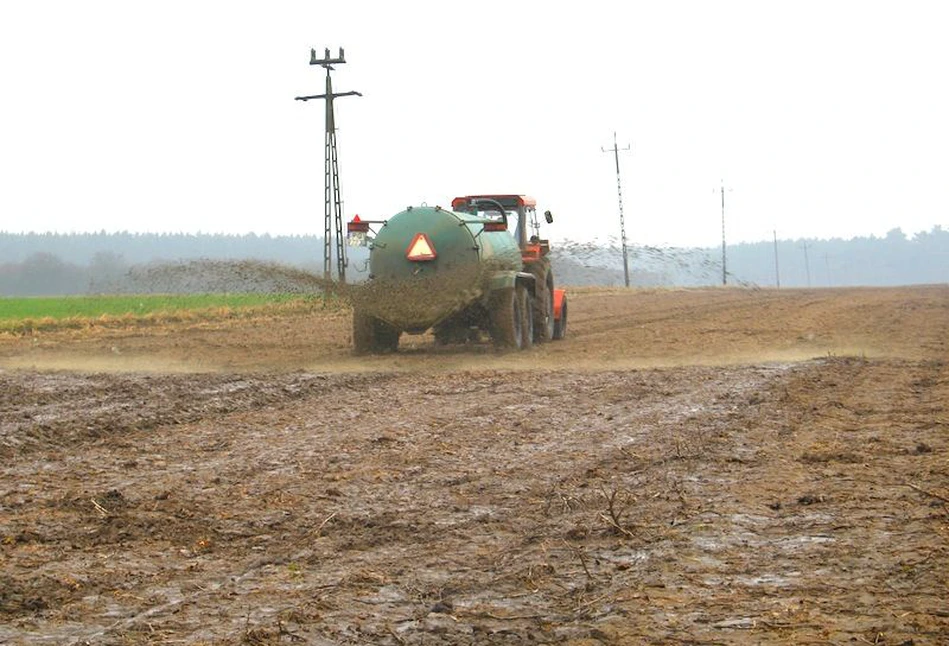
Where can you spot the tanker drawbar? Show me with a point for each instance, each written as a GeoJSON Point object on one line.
{"type": "Point", "coordinates": [460, 273]}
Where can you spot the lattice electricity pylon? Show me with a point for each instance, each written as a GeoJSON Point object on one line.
{"type": "Point", "coordinates": [331, 191]}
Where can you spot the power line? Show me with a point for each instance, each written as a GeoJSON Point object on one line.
{"type": "Point", "coordinates": [331, 192]}
{"type": "Point", "coordinates": [619, 191]}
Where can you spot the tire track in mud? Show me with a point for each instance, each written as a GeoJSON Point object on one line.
{"type": "Point", "coordinates": [724, 301]}
{"type": "Point", "coordinates": [491, 505]}
{"type": "Point", "coordinates": [47, 411]}
{"type": "Point", "coordinates": [848, 438]}
{"type": "Point", "coordinates": [667, 328]}
{"type": "Point", "coordinates": [450, 498]}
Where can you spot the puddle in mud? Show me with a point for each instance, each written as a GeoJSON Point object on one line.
{"type": "Point", "coordinates": [773, 580]}
{"type": "Point", "coordinates": [799, 541]}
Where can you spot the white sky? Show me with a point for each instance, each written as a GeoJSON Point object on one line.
{"type": "Point", "coordinates": [824, 118]}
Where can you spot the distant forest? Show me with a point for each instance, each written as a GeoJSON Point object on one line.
{"type": "Point", "coordinates": [83, 263]}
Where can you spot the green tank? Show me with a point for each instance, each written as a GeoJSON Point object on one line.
{"type": "Point", "coordinates": [458, 239]}
{"type": "Point", "coordinates": [427, 263]}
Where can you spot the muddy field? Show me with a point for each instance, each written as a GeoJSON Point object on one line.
{"type": "Point", "coordinates": [695, 466]}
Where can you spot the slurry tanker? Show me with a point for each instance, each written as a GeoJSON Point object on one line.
{"type": "Point", "coordinates": [460, 272]}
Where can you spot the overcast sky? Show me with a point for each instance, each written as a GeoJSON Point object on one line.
{"type": "Point", "coordinates": [823, 118]}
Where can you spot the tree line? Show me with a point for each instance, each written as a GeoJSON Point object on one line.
{"type": "Point", "coordinates": [83, 263]}
{"type": "Point", "coordinates": [894, 259]}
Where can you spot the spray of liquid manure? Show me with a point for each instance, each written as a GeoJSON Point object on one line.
{"type": "Point", "coordinates": [601, 264]}
{"type": "Point", "coordinates": [576, 264]}
{"type": "Point", "coordinates": [252, 276]}
{"type": "Point", "coordinates": [216, 276]}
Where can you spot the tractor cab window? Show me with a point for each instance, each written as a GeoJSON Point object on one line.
{"type": "Point", "coordinates": [484, 211]}
{"type": "Point", "coordinates": [492, 213]}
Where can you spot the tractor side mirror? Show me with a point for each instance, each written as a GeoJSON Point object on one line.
{"type": "Point", "coordinates": [549, 217]}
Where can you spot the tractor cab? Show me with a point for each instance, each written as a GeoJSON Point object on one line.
{"type": "Point", "coordinates": [522, 207]}
{"type": "Point", "coordinates": [500, 206]}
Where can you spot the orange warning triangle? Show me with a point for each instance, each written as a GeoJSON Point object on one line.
{"type": "Point", "coordinates": [421, 248]}
{"type": "Point", "coordinates": [356, 219]}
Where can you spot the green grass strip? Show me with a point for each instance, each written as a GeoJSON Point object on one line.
{"type": "Point", "coordinates": [64, 307]}
{"type": "Point", "coordinates": [29, 315]}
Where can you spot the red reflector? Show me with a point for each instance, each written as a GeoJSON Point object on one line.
{"type": "Point", "coordinates": [421, 248]}
{"type": "Point", "coordinates": [495, 226]}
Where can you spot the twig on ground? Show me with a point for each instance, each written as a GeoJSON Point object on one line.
{"type": "Point", "coordinates": [612, 523]}
{"type": "Point", "coordinates": [395, 635]}
{"type": "Point", "coordinates": [510, 617]}
{"type": "Point", "coordinates": [99, 508]}
{"type": "Point", "coordinates": [323, 524]}
{"type": "Point", "coordinates": [583, 562]}
{"type": "Point", "coordinates": [614, 515]}
{"type": "Point", "coordinates": [932, 494]}
{"type": "Point", "coordinates": [629, 453]}
{"type": "Point", "coordinates": [586, 604]}
{"type": "Point", "coordinates": [282, 630]}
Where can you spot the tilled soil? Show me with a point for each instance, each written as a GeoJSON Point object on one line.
{"type": "Point", "coordinates": [694, 466]}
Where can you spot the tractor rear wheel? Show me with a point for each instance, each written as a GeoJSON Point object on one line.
{"type": "Point", "coordinates": [560, 325]}
{"type": "Point", "coordinates": [544, 312]}
{"type": "Point", "coordinates": [507, 327]}
{"type": "Point", "coordinates": [527, 316]}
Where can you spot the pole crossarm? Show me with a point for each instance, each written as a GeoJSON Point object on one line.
{"type": "Point", "coordinates": [323, 96]}
{"type": "Point", "coordinates": [326, 61]}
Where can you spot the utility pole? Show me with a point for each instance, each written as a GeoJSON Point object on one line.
{"type": "Point", "coordinates": [619, 191]}
{"type": "Point", "coordinates": [777, 274]}
{"type": "Point", "coordinates": [807, 264]}
{"type": "Point", "coordinates": [724, 269]}
{"type": "Point", "coordinates": [331, 193]}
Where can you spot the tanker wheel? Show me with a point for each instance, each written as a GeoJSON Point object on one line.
{"type": "Point", "coordinates": [363, 340]}
{"type": "Point", "coordinates": [507, 322]}
{"type": "Point", "coordinates": [544, 322]}
{"type": "Point", "coordinates": [527, 316]}
{"type": "Point", "coordinates": [560, 325]}
{"type": "Point", "coordinates": [387, 337]}
{"type": "Point", "coordinates": [370, 335]}
{"type": "Point", "coordinates": [451, 334]}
